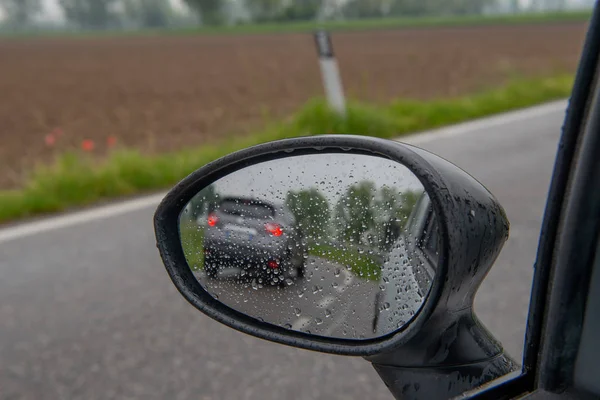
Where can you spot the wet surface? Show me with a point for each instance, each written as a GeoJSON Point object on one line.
{"type": "Point", "coordinates": [88, 312]}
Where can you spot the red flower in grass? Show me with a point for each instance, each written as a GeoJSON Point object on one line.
{"type": "Point", "coordinates": [88, 145]}
{"type": "Point", "coordinates": [50, 139]}
{"type": "Point", "coordinates": [111, 141]}
{"type": "Point", "coordinates": [57, 132]}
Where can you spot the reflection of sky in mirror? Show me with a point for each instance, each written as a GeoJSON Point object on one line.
{"type": "Point", "coordinates": [330, 173]}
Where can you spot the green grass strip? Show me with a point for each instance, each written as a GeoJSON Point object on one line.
{"type": "Point", "coordinates": [334, 25]}
{"type": "Point", "coordinates": [362, 265]}
{"type": "Point", "coordinates": [76, 180]}
{"type": "Point", "coordinates": [395, 23]}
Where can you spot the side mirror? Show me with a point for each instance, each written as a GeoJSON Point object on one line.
{"type": "Point", "coordinates": [395, 242]}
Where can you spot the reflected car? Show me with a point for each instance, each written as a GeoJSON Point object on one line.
{"type": "Point", "coordinates": [255, 239]}
{"type": "Point", "coordinates": [411, 265]}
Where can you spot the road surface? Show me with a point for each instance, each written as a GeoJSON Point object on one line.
{"type": "Point", "coordinates": [88, 312]}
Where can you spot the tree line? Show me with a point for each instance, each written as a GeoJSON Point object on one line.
{"type": "Point", "coordinates": [111, 14]}
{"type": "Point", "coordinates": [363, 214]}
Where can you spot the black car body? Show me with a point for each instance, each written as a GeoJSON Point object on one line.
{"type": "Point", "coordinates": [253, 238]}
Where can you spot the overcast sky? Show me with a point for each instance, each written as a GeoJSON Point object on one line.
{"type": "Point", "coordinates": [332, 174]}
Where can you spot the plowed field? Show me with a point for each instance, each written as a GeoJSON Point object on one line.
{"type": "Point", "coordinates": [166, 93]}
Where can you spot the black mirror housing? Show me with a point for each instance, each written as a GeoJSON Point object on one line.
{"type": "Point", "coordinates": [473, 228]}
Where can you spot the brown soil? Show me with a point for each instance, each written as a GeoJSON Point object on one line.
{"type": "Point", "coordinates": [166, 93]}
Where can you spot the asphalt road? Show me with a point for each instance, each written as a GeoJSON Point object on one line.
{"type": "Point", "coordinates": [329, 300]}
{"type": "Point", "coordinates": [88, 312]}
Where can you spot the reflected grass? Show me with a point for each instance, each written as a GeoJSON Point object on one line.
{"type": "Point", "coordinates": [192, 241]}
{"type": "Point", "coordinates": [361, 264]}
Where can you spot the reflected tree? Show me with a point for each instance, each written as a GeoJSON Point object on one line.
{"type": "Point", "coordinates": [371, 217]}
{"type": "Point", "coordinates": [392, 209]}
{"type": "Point", "coordinates": [203, 202]}
{"type": "Point", "coordinates": [354, 213]}
{"type": "Point", "coordinates": [310, 209]}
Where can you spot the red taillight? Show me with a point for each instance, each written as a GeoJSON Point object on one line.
{"type": "Point", "coordinates": [212, 220]}
{"type": "Point", "coordinates": [273, 229]}
{"type": "Point", "coordinates": [273, 264]}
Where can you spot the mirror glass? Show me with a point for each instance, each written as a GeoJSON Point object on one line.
{"type": "Point", "coordinates": [341, 245]}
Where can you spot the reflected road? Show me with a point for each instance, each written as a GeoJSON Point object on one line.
{"type": "Point", "coordinates": [320, 303]}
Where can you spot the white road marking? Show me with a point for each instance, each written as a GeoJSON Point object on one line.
{"type": "Point", "coordinates": [485, 123]}
{"type": "Point", "coordinates": [300, 323]}
{"type": "Point", "coordinates": [80, 217]}
{"type": "Point", "coordinates": [100, 213]}
{"type": "Point", "coordinates": [348, 279]}
{"type": "Point", "coordinates": [326, 301]}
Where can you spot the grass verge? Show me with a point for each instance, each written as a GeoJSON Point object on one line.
{"type": "Point", "coordinates": [75, 180]}
{"type": "Point", "coordinates": [362, 265]}
{"type": "Point", "coordinates": [192, 241]}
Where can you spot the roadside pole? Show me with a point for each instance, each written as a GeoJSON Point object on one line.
{"type": "Point", "coordinates": [332, 82]}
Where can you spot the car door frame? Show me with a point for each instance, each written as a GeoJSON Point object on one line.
{"type": "Point", "coordinates": [566, 248]}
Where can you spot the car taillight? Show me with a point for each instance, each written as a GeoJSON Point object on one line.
{"type": "Point", "coordinates": [273, 264]}
{"type": "Point", "coordinates": [273, 229]}
{"type": "Point", "coordinates": [212, 220]}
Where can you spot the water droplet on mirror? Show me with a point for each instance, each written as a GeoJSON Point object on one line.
{"type": "Point", "coordinates": [319, 321]}
{"type": "Point", "coordinates": [327, 313]}
{"type": "Point", "coordinates": [297, 312]}
{"type": "Point", "coordinates": [288, 326]}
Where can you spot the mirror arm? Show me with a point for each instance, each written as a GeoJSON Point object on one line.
{"type": "Point", "coordinates": [442, 382]}
{"type": "Point", "coordinates": [433, 365]}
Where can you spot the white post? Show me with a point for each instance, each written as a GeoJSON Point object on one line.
{"type": "Point", "coordinates": [332, 81]}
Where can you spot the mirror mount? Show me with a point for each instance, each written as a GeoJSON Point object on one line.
{"type": "Point", "coordinates": [453, 351]}
{"type": "Point", "coordinates": [452, 354]}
